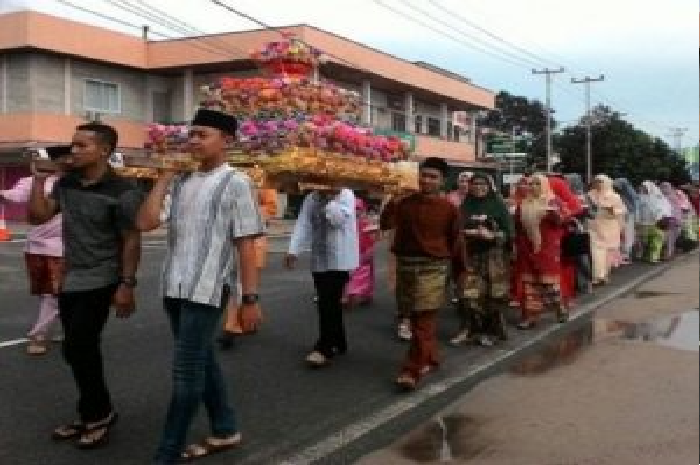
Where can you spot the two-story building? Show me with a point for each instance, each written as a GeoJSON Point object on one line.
{"type": "Point", "coordinates": [56, 73]}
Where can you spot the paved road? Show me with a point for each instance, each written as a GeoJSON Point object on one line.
{"type": "Point", "coordinates": [283, 407]}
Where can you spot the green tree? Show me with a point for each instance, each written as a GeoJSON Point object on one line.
{"type": "Point", "coordinates": [517, 112]}
{"type": "Point", "coordinates": [619, 150]}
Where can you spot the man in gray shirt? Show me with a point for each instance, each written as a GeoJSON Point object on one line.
{"type": "Point", "coordinates": [102, 253]}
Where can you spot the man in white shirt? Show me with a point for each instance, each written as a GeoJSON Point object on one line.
{"type": "Point", "coordinates": [328, 221]}
{"type": "Point", "coordinates": [213, 218]}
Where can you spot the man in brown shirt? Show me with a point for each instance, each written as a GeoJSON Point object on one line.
{"type": "Point", "coordinates": [427, 239]}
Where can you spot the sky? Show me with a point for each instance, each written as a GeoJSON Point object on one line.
{"type": "Point", "coordinates": [646, 50]}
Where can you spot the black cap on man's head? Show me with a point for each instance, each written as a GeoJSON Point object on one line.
{"type": "Point", "coordinates": [58, 151]}
{"type": "Point", "coordinates": [435, 163]}
{"type": "Point", "coordinates": [217, 120]}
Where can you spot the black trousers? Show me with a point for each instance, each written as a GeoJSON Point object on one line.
{"type": "Point", "coordinates": [329, 288]}
{"type": "Point", "coordinates": [83, 315]}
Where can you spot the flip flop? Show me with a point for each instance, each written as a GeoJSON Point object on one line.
{"type": "Point", "coordinates": [211, 446]}
{"type": "Point", "coordinates": [69, 431]}
{"type": "Point", "coordinates": [96, 435]}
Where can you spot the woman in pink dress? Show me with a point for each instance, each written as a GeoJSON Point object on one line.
{"type": "Point", "coordinates": [43, 252]}
{"type": "Point", "coordinates": [360, 289]}
{"type": "Point", "coordinates": [605, 227]}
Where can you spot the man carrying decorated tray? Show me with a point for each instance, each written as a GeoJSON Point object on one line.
{"type": "Point", "coordinates": [213, 219]}
{"type": "Point", "coordinates": [427, 240]}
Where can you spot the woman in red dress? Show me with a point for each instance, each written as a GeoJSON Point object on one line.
{"type": "Point", "coordinates": [540, 226]}
{"type": "Point", "coordinates": [571, 207]}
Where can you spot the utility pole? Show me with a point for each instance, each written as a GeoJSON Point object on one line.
{"type": "Point", "coordinates": [589, 122]}
{"type": "Point", "coordinates": [548, 74]}
{"type": "Point", "coordinates": [677, 134]}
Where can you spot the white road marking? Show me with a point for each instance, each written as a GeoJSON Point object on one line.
{"type": "Point", "coordinates": [13, 343]}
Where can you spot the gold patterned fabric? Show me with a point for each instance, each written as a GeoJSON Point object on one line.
{"type": "Point", "coordinates": [420, 284]}
{"type": "Point", "coordinates": [487, 275]}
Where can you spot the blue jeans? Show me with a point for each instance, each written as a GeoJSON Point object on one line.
{"type": "Point", "coordinates": [197, 377]}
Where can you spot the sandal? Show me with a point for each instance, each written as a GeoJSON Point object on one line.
{"type": "Point", "coordinates": [317, 360]}
{"type": "Point", "coordinates": [69, 431]}
{"type": "Point", "coordinates": [96, 435]}
{"type": "Point", "coordinates": [37, 346]}
{"type": "Point", "coordinates": [211, 446]}
{"type": "Point", "coordinates": [462, 338]}
{"type": "Point", "coordinates": [527, 325]}
{"type": "Point", "coordinates": [407, 383]}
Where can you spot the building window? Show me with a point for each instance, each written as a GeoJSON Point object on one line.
{"type": "Point", "coordinates": [419, 124]}
{"type": "Point", "coordinates": [398, 122]}
{"type": "Point", "coordinates": [101, 96]}
{"type": "Point", "coordinates": [434, 127]}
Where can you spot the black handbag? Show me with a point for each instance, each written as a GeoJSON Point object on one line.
{"type": "Point", "coordinates": [576, 243]}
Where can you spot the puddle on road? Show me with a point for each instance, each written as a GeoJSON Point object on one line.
{"type": "Point", "coordinates": [444, 440]}
{"type": "Point", "coordinates": [457, 438]}
{"type": "Point", "coordinates": [563, 351]}
{"type": "Point", "coordinates": [680, 332]}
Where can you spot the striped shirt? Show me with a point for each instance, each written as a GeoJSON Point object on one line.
{"type": "Point", "coordinates": [206, 213]}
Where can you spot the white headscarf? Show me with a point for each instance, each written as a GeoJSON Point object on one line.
{"type": "Point", "coordinates": [606, 197]}
{"type": "Point", "coordinates": [656, 201]}
{"type": "Point", "coordinates": [533, 208]}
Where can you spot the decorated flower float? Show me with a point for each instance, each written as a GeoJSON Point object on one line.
{"type": "Point", "coordinates": [293, 129]}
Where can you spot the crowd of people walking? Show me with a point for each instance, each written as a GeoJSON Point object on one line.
{"type": "Point", "coordinates": [536, 249]}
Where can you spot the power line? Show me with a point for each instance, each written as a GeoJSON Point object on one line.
{"type": "Point", "coordinates": [506, 53]}
{"type": "Point", "coordinates": [204, 35]}
{"type": "Point", "coordinates": [614, 101]}
{"type": "Point", "coordinates": [266, 26]}
{"type": "Point", "coordinates": [105, 16]}
{"type": "Point", "coordinates": [125, 23]}
{"type": "Point", "coordinates": [485, 31]}
{"type": "Point", "coordinates": [413, 19]}
{"type": "Point", "coordinates": [183, 28]}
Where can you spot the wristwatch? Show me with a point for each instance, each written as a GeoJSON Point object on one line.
{"type": "Point", "coordinates": [128, 281]}
{"type": "Point", "coordinates": [250, 299]}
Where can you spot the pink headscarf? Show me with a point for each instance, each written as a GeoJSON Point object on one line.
{"type": "Point", "coordinates": [670, 192]}
{"type": "Point", "coordinates": [686, 206]}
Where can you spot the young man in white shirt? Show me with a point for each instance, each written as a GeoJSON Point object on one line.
{"type": "Point", "coordinates": [210, 212]}
{"type": "Point", "coordinates": [328, 221]}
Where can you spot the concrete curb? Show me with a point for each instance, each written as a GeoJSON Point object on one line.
{"type": "Point", "coordinates": [354, 441]}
